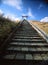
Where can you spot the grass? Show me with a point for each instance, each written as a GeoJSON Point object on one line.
{"type": "Point", "coordinates": [41, 25]}
{"type": "Point", "coordinates": [6, 27]}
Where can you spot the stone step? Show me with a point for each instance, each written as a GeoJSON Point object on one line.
{"type": "Point", "coordinates": [18, 32]}
{"type": "Point", "coordinates": [28, 44]}
{"type": "Point", "coordinates": [31, 49]}
{"type": "Point", "coordinates": [26, 50]}
{"type": "Point", "coordinates": [26, 35]}
{"type": "Point", "coordinates": [27, 28]}
{"type": "Point", "coordinates": [16, 37]}
{"type": "Point", "coordinates": [27, 56]}
{"type": "Point", "coordinates": [40, 57]}
{"type": "Point", "coordinates": [30, 30]}
{"type": "Point", "coordinates": [26, 40]}
{"type": "Point", "coordinates": [26, 32]}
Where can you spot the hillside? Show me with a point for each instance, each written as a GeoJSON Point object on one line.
{"type": "Point", "coordinates": [42, 25]}
{"type": "Point", "coordinates": [6, 27]}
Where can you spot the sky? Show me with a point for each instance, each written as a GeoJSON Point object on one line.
{"type": "Point", "coordinates": [34, 9]}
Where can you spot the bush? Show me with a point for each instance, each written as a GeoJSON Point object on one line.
{"type": "Point", "coordinates": [6, 26]}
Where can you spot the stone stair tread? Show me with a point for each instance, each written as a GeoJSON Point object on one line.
{"type": "Point", "coordinates": [28, 37]}
{"type": "Point", "coordinates": [28, 44]}
{"type": "Point", "coordinates": [27, 49]}
{"type": "Point", "coordinates": [15, 43]}
{"type": "Point", "coordinates": [9, 56]}
{"type": "Point", "coordinates": [26, 34]}
{"type": "Point", "coordinates": [23, 32]}
{"type": "Point", "coordinates": [27, 56]}
{"type": "Point", "coordinates": [19, 56]}
{"type": "Point", "coordinates": [37, 57]}
{"type": "Point", "coordinates": [35, 40]}
{"type": "Point", "coordinates": [45, 57]}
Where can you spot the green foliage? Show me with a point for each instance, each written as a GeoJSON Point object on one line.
{"type": "Point", "coordinates": [6, 26]}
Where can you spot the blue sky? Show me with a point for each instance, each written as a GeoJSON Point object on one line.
{"type": "Point", "coordinates": [35, 9]}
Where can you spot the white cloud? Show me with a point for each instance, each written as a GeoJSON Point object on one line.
{"type": "Point", "coordinates": [1, 12]}
{"type": "Point", "coordinates": [45, 19]}
{"type": "Point", "coordinates": [29, 14]}
{"type": "Point", "coordinates": [14, 3]}
{"type": "Point", "coordinates": [10, 16]}
{"type": "Point", "coordinates": [24, 14]}
{"type": "Point", "coordinates": [18, 18]}
{"type": "Point", "coordinates": [40, 6]}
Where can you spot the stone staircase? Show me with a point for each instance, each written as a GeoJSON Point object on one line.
{"type": "Point", "coordinates": [26, 45]}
